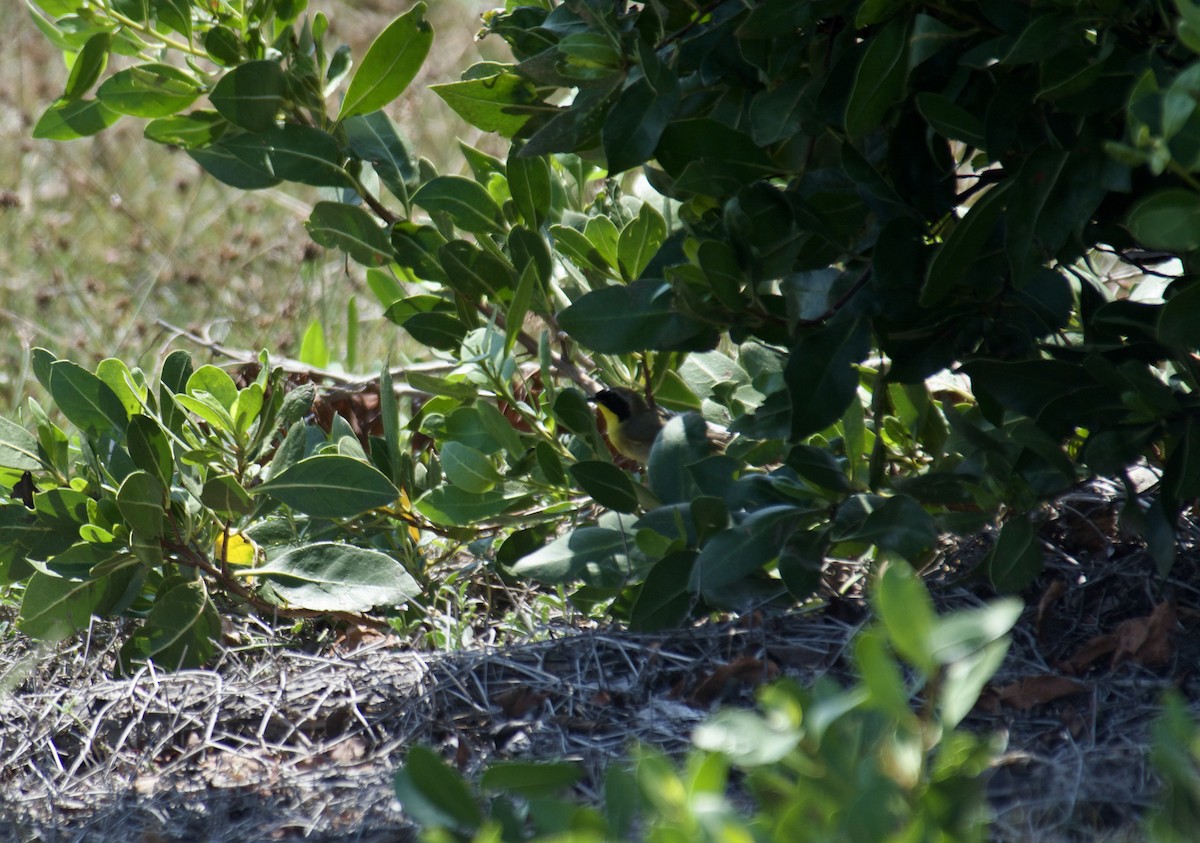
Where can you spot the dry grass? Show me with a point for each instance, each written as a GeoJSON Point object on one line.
{"type": "Point", "coordinates": [289, 738]}
{"type": "Point", "coordinates": [105, 236]}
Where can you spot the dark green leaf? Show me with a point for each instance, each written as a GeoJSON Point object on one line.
{"type": "Point", "coordinates": [437, 330]}
{"type": "Point", "coordinates": [821, 376]}
{"type": "Point", "coordinates": [608, 485]}
{"type": "Point", "coordinates": [664, 601]}
{"type": "Point", "coordinates": [634, 317]}
{"type": "Point", "coordinates": [952, 262]}
{"type": "Point", "coordinates": [640, 115]}
{"type": "Point", "coordinates": [351, 229]}
{"type": "Point", "coordinates": [600, 555]}
{"type": "Point", "coordinates": [467, 203]}
{"type": "Point", "coordinates": [251, 95]}
{"type": "Point", "coordinates": [881, 78]}
{"type": "Point", "coordinates": [224, 494]}
{"type": "Point", "coordinates": [530, 778]}
{"type": "Point", "coordinates": [739, 551]}
{"type": "Point", "coordinates": [1016, 558]}
{"type": "Point", "coordinates": [292, 153]}
{"type": "Point", "coordinates": [529, 184]}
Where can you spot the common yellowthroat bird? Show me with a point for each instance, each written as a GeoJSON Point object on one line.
{"type": "Point", "coordinates": [631, 423]}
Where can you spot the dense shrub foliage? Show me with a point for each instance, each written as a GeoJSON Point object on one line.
{"type": "Point", "coordinates": [793, 220]}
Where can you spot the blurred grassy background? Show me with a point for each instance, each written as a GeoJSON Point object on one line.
{"type": "Point", "coordinates": [104, 236]}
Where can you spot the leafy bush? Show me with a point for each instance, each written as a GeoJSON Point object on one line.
{"type": "Point", "coordinates": [822, 764]}
{"type": "Point", "coordinates": [786, 218]}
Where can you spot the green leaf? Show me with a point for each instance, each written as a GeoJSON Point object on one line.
{"type": "Point", "coordinates": [455, 507]}
{"type": "Point", "coordinates": [747, 738]}
{"type": "Point", "coordinates": [18, 447]}
{"type": "Point", "coordinates": [529, 184]}
{"type": "Point", "coordinates": [181, 630]}
{"type": "Point", "coordinates": [332, 577]}
{"type": "Point", "coordinates": [626, 318]}
{"type": "Point", "coordinates": [881, 674]}
{"type": "Point", "coordinates": [502, 103]}
{"type": "Point", "coordinates": [434, 795]}
{"type": "Point", "coordinates": [391, 63]}
{"type": "Point", "coordinates": [211, 380]}
{"type": "Point", "coordinates": [53, 608]}
{"type": "Point", "coordinates": [89, 64]}
{"type": "Point", "coordinates": [821, 376]}
{"type": "Point", "coordinates": [1016, 558]}
{"type": "Point", "coordinates": [682, 442]}
{"type": "Point", "coordinates": [530, 778]}
{"type": "Point", "coordinates": [88, 402]}
{"type": "Point", "coordinates": [467, 203]}
{"type": "Point", "coordinates": [374, 138]}
{"type": "Point", "coordinates": [957, 636]}
{"type": "Point", "coordinates": [640, 241]}
{"type": "Point", "coordinates": [225, 495]}
{"type": "Point", "coordinates": [351, 229]}
{"type": "Point", "coordinates": [1167, 219]}
{"type": "Point", "coordinates": [1179, 319]}
{"type": "Point", "coordinates": [187, 131]}
{"type": "Point", "coordinates": [313, 350]}
{"type": "Point", "coordinates": [519, 307]}
{"type": "Point", "coordinates": [140, 500]}
{"type": "Point", "coordinates": [818, 466]}
{"type": "Point", "coordinates": [904, 606]}
{"type": "Point", "coordinates": [149, 90]}
{"type": "Point", "coordinates": [251, 95]}
{"type": "Point", "coordinates": [469, 469]}
{"type": "Point", "coordinates": [608, 485]}
{"type": "Point", "coordinates": [600, 555]}
{"type": "Point", "coordinates": [128, 387]}
{"type": "Point", "coordinates": [664, 601]}
{"type": "Point", "coordinates": [330, 486]}
{"type": "Point", "coordinates": [963, 681]}
{"type": "Point", "coordinates": [881, 78]}
{"type": "Point", "coordinates": [68, 120]}
{"type": "Point", "coordinates": [739, 551]}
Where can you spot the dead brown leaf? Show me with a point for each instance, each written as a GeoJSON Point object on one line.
{"type": "Point", "coordinates": [746, 671]}
{"type": "Point", "coordinates": [1147, 641]}
{"type": "Point", "coordinates": [1025, 693]}
{"type": "Point", "coordinates": [1050, 596]}
{"type": "Point", "coordinates": [519, 701]}
{"type": "Point", "coordinates": [1093, 649]}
